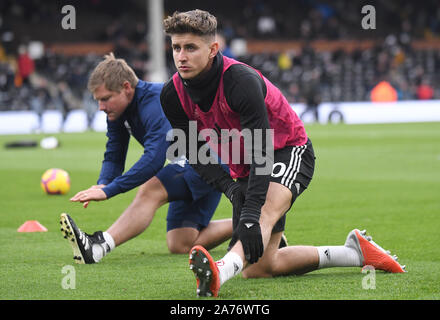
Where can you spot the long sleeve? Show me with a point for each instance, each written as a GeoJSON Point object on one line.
{"type": "Point", "coordinates": [149, 126]}
{"type": "Point", "coordinates": [115, 153]}
{"type": "Point", "coordinates": [245, 93]}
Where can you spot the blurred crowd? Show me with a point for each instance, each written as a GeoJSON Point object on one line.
{"type": "Point", "coordinates": [56, 81]}
{"type": "Point", "coordinates": [352, 76]}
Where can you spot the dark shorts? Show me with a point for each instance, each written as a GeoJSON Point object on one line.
{"type": "Point", "coordinates": [293, 168]}
{"type": "Point", "coordinates": [192, 201]}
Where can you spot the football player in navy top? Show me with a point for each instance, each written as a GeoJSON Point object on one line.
{"type": "Point", "coordinates": [133, 109]}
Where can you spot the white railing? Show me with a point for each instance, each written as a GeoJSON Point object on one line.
{"type": "Point", "coordinates": [27, 122]}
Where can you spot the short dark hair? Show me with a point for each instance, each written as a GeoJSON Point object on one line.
{"type": "Point", "coordinates": [197, 21]}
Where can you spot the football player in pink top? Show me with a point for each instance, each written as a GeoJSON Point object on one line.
{"type": "Point", "coordinates": [238, 110]}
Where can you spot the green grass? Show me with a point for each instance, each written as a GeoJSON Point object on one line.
{"type": "Point", "coordinates": [384, 178]}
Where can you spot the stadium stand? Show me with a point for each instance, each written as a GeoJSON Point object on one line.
{"type": "Point", "coordinates": [305, 47]}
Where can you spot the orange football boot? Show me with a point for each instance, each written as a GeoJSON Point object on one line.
{"type": "Point", "coordinates": [372, 254]}
{"type": "Point", "coordinates": [206, 271]}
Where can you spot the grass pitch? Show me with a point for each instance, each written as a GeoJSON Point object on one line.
{"type": "Point", "coordinates": [383, 178]}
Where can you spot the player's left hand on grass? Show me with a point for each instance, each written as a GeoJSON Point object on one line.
{"type": "Point", "coordinates": [249, 233]}
{"type": "Point", "coordinates": [91, 194]}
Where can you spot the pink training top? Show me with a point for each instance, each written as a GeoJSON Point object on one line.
{"type": "Point", "coordinates": [288, 129]}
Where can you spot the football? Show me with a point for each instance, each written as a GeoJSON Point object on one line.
{"type": "Point", "coordinates": [55, 181]}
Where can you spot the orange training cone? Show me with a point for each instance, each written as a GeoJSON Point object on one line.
{"type": "Point", "coordinates": [32, 226]}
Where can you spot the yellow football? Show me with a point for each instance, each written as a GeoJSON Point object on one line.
{"type": "Point", "coordinates": [55, 181]}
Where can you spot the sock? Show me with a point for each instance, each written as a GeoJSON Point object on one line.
{"type": "Point", "coordinates": [338, 256]}
{"type": "Point", "coordinates": [109, 240]}
{"type": "Point", "coordinates": [229, 266]}
{"type": "Point", "coordinates": [100, 250]}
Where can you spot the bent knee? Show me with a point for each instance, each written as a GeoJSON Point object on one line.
{"type": "Point", "coordinates": [152, 190]}
{"type": "Point", "coordinates": [181, 240]}
{"type": "Point", "coordinates": [179, 248]}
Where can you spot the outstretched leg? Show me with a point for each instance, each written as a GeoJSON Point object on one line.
{"type": "Point", "coordinates": [359, 250]}
{"type": "Point", "coordinates": [288, 260]}
{"type": "Point", "coordinates": [135, 219]}
{"type": "Point", "coordinates": [139, 214]}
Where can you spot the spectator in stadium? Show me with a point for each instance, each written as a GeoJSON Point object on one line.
{"type": "Point", "coordinates": [284, 61]}
{"type": "Point", "coordinates": [26, 65]}
{"type": "Point", "coordinates": [133, 108]}
{"type": "Point", "coordinates": [6, 76]}
{"type": "Point", "coordinates": [218, 92]}
{"type": "Point", "coordinates": [310, 89]}
{"type": "Point", "coordinates": [383, 92]}
{"type": "Point", "coordinates": [425, 90]}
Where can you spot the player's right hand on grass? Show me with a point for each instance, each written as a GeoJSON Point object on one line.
{"type": "Point", "coordinates": [94, 193]}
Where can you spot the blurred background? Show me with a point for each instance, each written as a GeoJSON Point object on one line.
{"type": "Point", "coordinates": [315, 51]}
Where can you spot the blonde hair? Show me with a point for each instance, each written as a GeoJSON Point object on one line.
{"type": "Point", "coordinates": [197, 21]}
{"type": "Point", "coordinates": [112, 73]}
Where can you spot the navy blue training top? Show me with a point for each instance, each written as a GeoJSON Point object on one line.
{"type": "Point", "coordinates": [145, 121]}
